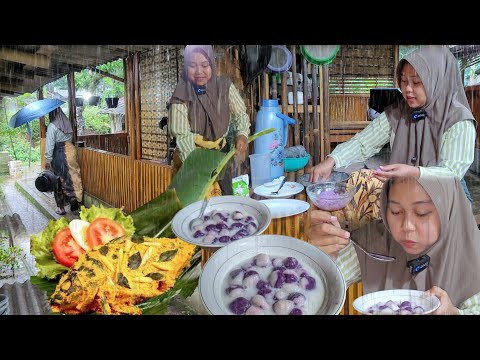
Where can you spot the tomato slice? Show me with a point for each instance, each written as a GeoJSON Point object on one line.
{"type": "Point", "coordinates": [65, 248]}
{"type": "Point", "coordinates": [102, 230]}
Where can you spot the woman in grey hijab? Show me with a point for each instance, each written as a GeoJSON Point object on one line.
{"type": "Point", "coordinates": [428, 220]}
{"type": "Point", "coordinates": [431, 130]}
{"type": "Point", "coordinates": [61, 158]}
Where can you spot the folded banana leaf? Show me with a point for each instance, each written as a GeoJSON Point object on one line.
{"type": "Point", "coordinates": [190, 184]}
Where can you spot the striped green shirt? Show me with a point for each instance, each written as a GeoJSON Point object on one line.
{"type": "Point", "coordinates": [456, 153]}
{"type": "Point", "coordinates": [180, 126]}
{"type": "Point", "coordinates": [347, 262]}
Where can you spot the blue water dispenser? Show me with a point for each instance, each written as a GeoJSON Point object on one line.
{"type": "Point", "coordinates": [274, 143]}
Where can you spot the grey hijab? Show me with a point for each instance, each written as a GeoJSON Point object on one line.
{"type": "Point", "coordinates": [454, 258]}
{"type": "Point", "coordinates": [446, 105]}
{"type": "Point", "coordinates": [60, 120]}
{"type": "Point", "coordinates": [208, 113]}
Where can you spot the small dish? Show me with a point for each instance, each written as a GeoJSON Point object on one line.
{"type": "Point", "coordinates": [285, 207]}
{"type": "Point", "coordinates": [331, 196]}
{"type": "Point", "coordinates": [335, 176]}
{"type": "Point", "coordinates": [288, 190]}
{"type": "Point", "coordinates": [367, 304]}
{"type": "Point", "coordinates": [275, 182]}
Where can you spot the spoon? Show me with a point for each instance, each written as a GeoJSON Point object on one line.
{"type": "Point", "coordinates": [281, 185]}
{"type": "Point", "coordinates": [373, 255]}
{"type": "Point", "coordinates": [194, 221]}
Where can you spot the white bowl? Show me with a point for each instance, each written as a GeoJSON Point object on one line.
{"type": "Point", "coordinates": [328, 297]}
{"type": "Point", "coordinates": [416, 297]}
{"type": "Point", "coordinates": [181, 220]}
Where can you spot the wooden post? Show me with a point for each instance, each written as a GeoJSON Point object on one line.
{"type": "Point", "coordinates": [71, 105]}
{"type": "Point", "coordinates": [43, 132]}
{"type": "Point", "coordinates": [396, 55]}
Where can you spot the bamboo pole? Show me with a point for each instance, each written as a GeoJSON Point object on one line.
{"type": "Point", "coordinates": [317, 134]}
{"type": "Point", "coordinates": [296, 133]}
{"type": "Point", "coordinates": [326, 117]}
{"type": "Point", "coordinates": [306, 115]}
{"type": "Point", "coordinates": [284, 93]}
{"type": "Point", "coordinates": [136, 104]}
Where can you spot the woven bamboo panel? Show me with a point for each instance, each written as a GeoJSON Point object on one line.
{"type": "Point", "coordinates": [364, 60]}
{"type": "Point", "coordinates": [120, 181]}
{"type": "Point", "coordinates": [159, 76]}
{"type": "Point", "coordinates": [348, 108]}
{"type": "Point", "coordinates": [227, 62]}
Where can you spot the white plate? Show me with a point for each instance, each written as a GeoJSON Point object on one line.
{"type": "Point", "coordinates": [285, 207]}
{"type": "Point", "coordinates": [289, 189]}
{"type": "Point", "coordinates": [181, 220]}
{"type": "Point", "coordinates": [331, 288]}
{"type": "Point", "coordinates": [416, 297]}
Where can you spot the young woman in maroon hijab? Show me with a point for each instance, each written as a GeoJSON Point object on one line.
{"type": "Point", "coordinates": [205, 109]}
{"type": "Point", "coordinates": [429, 217]}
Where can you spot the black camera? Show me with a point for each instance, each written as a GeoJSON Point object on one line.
{"type": "Point", "coordinates": [418, 264]}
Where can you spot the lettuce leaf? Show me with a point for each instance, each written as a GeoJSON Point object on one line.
{"type": "Point", "coordinates": [115, 214]}
{"type": "Point", "coordinates": [41, 244]}
{"type": "Point", "coordinates": [41, 248]}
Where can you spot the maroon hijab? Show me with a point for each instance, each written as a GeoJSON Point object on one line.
{"type": "Point", "coordinates": [208, 113]}
{"type": "Point", "coordinates": [446, 105]}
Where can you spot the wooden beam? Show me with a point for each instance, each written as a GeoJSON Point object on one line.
{"type": "Point", "coordinates": [106, 74]}
{"type": "Point", "coordinates": [37, 60]}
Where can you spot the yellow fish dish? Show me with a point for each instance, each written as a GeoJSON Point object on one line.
{"type": "Point", "coordinates": [113, 278]}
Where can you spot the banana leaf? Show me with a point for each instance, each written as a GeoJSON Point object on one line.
{"type": "Point", "coordinates": [152, 218]}
{"type": "Point", "coordinates": [190, 184]}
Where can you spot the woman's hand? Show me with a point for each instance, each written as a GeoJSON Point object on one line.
{"type": "Point", "coordinates": [241, 144]}
{"type": "Point", "coordinates": [396, 170]}
{"type": "Point", "coordinates": [325, 232]}
{"type": "Point", "coordinates": [446, 306]}
{"type": "Point", "coordinates": [322, 170]}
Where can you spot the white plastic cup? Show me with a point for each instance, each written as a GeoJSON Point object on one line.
{"type": "Point", "coordinates": [260, 169]}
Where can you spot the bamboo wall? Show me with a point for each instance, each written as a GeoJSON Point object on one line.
{"type": "Point", "coordinates": [159, 73]}
{"type": "Point", "coordinates": [120, 181]}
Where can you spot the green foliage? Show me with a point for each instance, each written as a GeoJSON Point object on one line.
{"type": "Point", "coordinates": [10, 256]}
{"type": "Point", "coordinates": [16, 140]}
{"type": "Point", "coordinates": [100, 123]}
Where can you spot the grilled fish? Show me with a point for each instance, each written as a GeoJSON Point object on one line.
{"type": "Point", "coordinates": [112, 278]}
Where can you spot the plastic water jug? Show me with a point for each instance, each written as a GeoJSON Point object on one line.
{"type": "Point", "coordinates": [274, 143]}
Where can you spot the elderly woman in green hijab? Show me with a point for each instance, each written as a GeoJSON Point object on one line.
{"type": "Point", "coordinates": [205, 109]}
